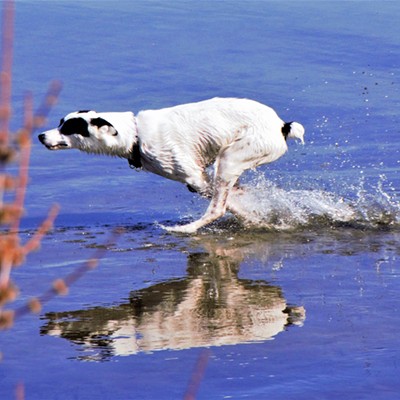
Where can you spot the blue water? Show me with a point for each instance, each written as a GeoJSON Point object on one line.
{"type": "Point", "coordinates": [327, 254]}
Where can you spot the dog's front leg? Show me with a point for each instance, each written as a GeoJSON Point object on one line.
{"type": "Point", "coordinates": [215, 210]}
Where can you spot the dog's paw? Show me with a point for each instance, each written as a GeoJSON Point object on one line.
{"type": "Point", "coordinates": [188, 229]}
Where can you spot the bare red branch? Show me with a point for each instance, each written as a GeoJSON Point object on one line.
{"type": "Point", "coordinates": [5, 77]}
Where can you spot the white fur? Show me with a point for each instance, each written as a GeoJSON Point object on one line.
{"type": "Point", "coordinates": [180, 142]}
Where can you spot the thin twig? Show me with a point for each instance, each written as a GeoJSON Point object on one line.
{"type": "Point", "coordinates": [25, 145]}
{"type": "Point", "coordinates": [61, 286]}
{"type": "Point", "coordinates": [197, 375]}
{"type": "Point", "coordinates": [6, 68]}
{"type": "Point", "coordinates": [46, 225]}
{"type": "Point", "coordinates": [49, 101]}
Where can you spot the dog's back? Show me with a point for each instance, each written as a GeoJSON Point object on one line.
{"type": "Point", "coordinates": [195, 133]}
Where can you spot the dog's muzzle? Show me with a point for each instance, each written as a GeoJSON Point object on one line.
{"type": "Point", "coordinates": [51, 146]}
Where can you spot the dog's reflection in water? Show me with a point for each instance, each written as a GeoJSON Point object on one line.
{"type": "Point", "coordinates": [211, 306]}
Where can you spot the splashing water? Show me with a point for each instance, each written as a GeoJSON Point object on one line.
{"type": "Point", "coordinates": [265, 205]}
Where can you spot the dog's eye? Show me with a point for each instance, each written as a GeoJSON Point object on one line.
{"type": "Point", "coordinates": [76, 126]}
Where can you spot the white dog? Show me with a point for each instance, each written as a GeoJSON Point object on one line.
{"type": "Point", "coordinates": [179, 143]}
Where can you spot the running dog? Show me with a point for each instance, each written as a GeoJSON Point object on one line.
{"type": "Point", "coordinates": [181, 142]}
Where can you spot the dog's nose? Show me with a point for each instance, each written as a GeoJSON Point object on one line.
{"type": "Point", "coordinates": [42, 137]}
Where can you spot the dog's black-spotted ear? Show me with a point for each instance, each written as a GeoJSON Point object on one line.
{"type": "Point", "coordinates": [99, 122]}
{"type": "Point", "coordinates": [286, 129]}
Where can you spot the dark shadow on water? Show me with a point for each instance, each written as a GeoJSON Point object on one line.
{"type": "Point", "coordinates": [211, 306]}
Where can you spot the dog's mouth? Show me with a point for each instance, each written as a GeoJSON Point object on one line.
{"type": "Point", "coordinates": [57, 146]}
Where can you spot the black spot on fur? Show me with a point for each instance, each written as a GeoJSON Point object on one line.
{"type": "Point", "coordinates": [83, 111]}
{"type": "Point", "coordinates": [76, 126]}
{"type": "Point", "coordinates": [99, 122]}
{"type": "Point", "coordinates": [135, 158]}
{"type": "Point", "coordinates": [61, 122]}
{"type": "Point", "coordinates": [286, 129]}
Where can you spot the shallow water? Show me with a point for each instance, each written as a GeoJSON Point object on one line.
{"type": "Point", "coordinates": [302, 302]}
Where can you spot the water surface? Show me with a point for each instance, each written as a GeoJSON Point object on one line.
{"type": "Point", "coordinates": [301, 305]}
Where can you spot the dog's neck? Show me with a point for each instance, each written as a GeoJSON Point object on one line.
{"type": "Point", "coordinates": [134, 157]}
{"type": "Point", "coordinates": [128, 131]}
{"type": "Point", "coordinates": [125, 143]}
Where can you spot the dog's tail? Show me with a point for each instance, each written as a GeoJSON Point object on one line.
{"type": "Point", "coordinates": [293, 130]}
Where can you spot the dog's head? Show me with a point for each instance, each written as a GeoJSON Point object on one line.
{"type": "Point", "coordinates": [112, 133]}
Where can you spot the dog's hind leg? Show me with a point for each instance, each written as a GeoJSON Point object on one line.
{"type": "Point", "coordinates": [215, 210]}
{"type": "Point", "coordinates": [225, 198]}
{"type": "Point", "coordinates": [237, 204]}
{"type": "Point", "coordinates": [228, 168]}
